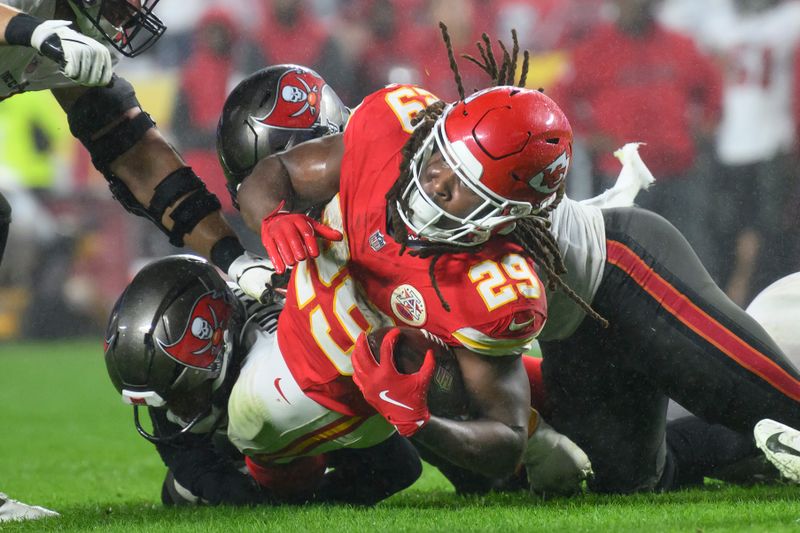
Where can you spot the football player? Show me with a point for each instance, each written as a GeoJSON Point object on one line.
{"type": "Point", "coordinates": [70, 47]}
{"type": "Point", "coordinates": [468, 189]}
{"type": "Point", "coordinates": [203, 358]}
{"type": "Point", "coordinates": [498, 314]}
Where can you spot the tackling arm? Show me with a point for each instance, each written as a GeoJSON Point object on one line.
{"type": "Point", "coordinates": [148, 177]}
{"type": "Point", "coordinates": [493, 440]}
{"type": "Point", "coordinates": [301, 177]}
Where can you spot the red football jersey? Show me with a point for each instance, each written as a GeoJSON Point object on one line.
{"type": "Point", "coordinates": [497, 303]}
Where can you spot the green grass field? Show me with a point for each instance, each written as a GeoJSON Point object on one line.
{"type": "Point", "coordinates": [67, 442]}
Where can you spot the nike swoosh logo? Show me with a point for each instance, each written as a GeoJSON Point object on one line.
{"type": "Point", "coordinates": [384, 395]}
{"type": "Point", "coordinates": [774, 444]}
{"type": "Point", "coordinates": [522, 325]}
{"type": "Point", "coordinates": [278, 387]}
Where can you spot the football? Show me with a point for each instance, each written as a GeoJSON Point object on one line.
{"type": "Point", "coordinates": [447, 396]}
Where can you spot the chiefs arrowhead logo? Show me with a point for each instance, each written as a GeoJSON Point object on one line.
{"type": "Point", "coordinates": [297, 102]}
{"type": "Point", "coordinates": [200, 343]}
{"type": "Point", "coordinates": [408, 305]}
{"type": "Point", "coordinates": [548, 180]}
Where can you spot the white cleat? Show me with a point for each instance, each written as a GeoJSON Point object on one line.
{"type": "Point", "coordinates": [14, 510]}
{"type": "Point", "coordinates": [781, 446]}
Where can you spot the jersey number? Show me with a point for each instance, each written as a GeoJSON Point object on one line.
{"type": "Point", "coordinates": [502, 283]}
{"type": "Point", "coordinates": [330, 272]}
{"type": "Point", "coordinates": [406, 102]}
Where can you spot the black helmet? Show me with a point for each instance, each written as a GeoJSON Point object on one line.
{"type": "Point", "coordinates": [129, 25]}
{"type": "Point", "coordinates": [270, 111]}
{"type": "Point", "coordinates": [172, 331]}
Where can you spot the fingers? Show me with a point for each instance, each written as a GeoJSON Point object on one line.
{"type": "Point", "coordinates": [363, 361]}
{"type": "Point", "coordinates": [326, 232]}
{"type": "Point", "coordinates": [387, 347]}
{"type": "Point", "coordinates": [306, 245]}
{"type": "Point", "coordinates": [362, 354]}
{"type": "Point", "coordinates": [272, 251]}
{"type": "Point", "coordinates": [87, 64]}
{"type": "Point", "coordinates": [427, 368]}
{"type": "Point", "coordinates": [290, 238]}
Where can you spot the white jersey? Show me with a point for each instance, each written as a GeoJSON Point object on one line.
{"type": "Point", "coordinates": [777, 309]}
{"type": "Point", "coordinates": [269, 415]}
{"type": "Point", "coordinates": [24, 69]}
{"type": "Point", "coordinates": [758, 49]}
{"type": "Point", "coordinates": [581, 236]}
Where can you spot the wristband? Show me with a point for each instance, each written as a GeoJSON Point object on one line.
{"type": "Point", "coordinates": [20, 29]}
{"type": "Point", "coordinates": [225, 251]}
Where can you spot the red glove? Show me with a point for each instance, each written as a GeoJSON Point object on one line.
{"type": "Point", "coordinates": [292, 237]}
{"type": "Point", "coordinates": [400, 398]}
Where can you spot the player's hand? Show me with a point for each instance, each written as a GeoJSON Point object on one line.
{"type": "Point", "coordinates": [254, 275]}
{"type": "Point", "coordinates": [400, 398]}
{"type": "Point", "coordinates": [292, 237]}
{"type": "Point", "coordinates": [82, 58]}
{"type": "Point", "coordinates": [556, 466]}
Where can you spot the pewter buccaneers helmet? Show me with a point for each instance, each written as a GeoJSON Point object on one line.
{"type": "Point", "coordinates": [270, 111]}
{"type": "Point", "coordinates": [172, 330]}
{"type": "Point", "coordinates": [510, 146]}
{"type": "Point", "coordinates": [129, 25]}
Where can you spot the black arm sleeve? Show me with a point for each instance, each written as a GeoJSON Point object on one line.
{"type": "Point", "coordinates": [203, 470]}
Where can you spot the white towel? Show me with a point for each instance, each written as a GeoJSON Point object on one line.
{"type": "Point", "coordinates": [633, 177]}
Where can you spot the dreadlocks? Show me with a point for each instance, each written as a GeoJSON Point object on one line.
{"type": "Point", "coordinates": [531, 233]}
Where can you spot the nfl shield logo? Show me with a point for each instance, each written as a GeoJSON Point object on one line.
{"type": "Point", "coordinates": [408, 305]}
{"type": "Point", "coordinates": [376, 241]}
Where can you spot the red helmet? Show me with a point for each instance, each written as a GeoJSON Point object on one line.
{"type": "Point", "coordinates": [511, 146]}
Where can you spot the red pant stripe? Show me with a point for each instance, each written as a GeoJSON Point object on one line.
{"type": "Point", "coordinates": [682, 308]}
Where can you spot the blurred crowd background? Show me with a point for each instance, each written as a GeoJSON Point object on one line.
{"type": "Point", "coordinates": [712, 87]}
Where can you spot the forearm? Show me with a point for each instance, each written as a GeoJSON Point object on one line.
{"type": "Point", "coordinates": [144, 166]}
{"type": "Point", "coordinates": [262, 192]}
{"type": "Point", "coordinates": [487, 447]}
{"type": "Point", "coordinates": [303, 176]}
{"type": "Point", "coordinates": [6, 14]}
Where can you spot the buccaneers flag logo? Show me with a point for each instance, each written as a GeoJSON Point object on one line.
{"type": "Point", "coordinates": [297, 102]}
{"type": "Point", "coordinates": [201, 341]}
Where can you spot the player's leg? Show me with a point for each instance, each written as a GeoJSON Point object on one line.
{"type": "Point", "coordinates": [5, 222]}
{"type": "Point", "coordinates": [698, 450]}
{"type": "Point", "coordinates": [365, 476]}
{"type": "Point", "coordinates": [691, 340]}
{"type": "Point", "coordinates": [616, 415]}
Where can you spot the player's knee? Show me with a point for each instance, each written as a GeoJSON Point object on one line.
{"type": "Point", "coordinates": [5, 210]}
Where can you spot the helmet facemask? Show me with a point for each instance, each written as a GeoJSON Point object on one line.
{"type": "Point", "coordinates": [170, 342]}
{"type": "Point", "coordinates": [189, 400]}
{"type": "Point", "coordinates": [425, 218]}
{"type": "Point", "coordinates": [129, 25]}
